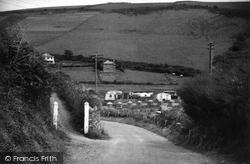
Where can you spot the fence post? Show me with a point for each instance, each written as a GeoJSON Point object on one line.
{"type": "Point", "coordinates": [86, 117]}
{"type": "Point", "coordinates": [55, 114]}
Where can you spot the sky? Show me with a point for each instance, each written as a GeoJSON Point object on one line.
{"type": "Point", "coordinates": [6, 5]}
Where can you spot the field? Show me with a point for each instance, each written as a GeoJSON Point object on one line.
{"type": "Point", "coordinates": [80, 73]}
{"type": "Point", "coordinates": [86, 74]}
{"type": "Point", "coordinates": [172, 37]}
{"type": "Point", "coordinates": [3, 17]}
{"type": "Point", "coordinates": [41, 29]}
{"type": "Point", "coordinates": [134, 76]}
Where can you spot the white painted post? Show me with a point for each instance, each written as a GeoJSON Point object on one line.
{"type": "Point", "coordinates": [55, 114]}
{"type": "Point", "coordinates": [86, 117]}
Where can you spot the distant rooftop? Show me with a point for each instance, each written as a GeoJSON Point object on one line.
{"type": "Point", "coordinates": [47, 55]}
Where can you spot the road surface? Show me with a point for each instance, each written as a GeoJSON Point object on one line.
{"type": "Point", "coordinates": [128, 145]}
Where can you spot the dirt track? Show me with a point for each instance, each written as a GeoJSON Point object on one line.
{"type": "Point", "coordinates": [128, 145]}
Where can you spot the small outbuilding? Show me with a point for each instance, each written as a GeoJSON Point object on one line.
{"type": "Point", "coordinates": [109, 66]}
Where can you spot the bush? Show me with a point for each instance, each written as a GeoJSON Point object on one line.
{"type": "Point", "coordinates": [26, 120]}
{"type": "Point", "coordinates": [219, 107]}
{"type": "Point", "coordinates": [75, 97]}
{"type": "Point", "coordinates": [68, 54]}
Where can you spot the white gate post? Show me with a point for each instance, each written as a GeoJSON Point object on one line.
{"type": "Point", "coordinates": [55, 114]}
{"type": "Point", "coordinates": [86, 117]}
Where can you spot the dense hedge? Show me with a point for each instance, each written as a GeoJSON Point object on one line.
{"type": "Point", "coordinates": [219, 106]}
{"type": "Point", "coordinates": [26, 119]}
{"type": "Point", "coordinates": [75, 97]}
{"type": "Point", "coordinates": [159, 68]}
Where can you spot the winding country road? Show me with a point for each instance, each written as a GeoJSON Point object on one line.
{"type": "Point", "coordinates": [128, 145]}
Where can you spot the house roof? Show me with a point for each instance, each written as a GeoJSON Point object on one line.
{"type": "Point", "coordinates": [108, 62]}
{"type": "Point", "coordinates": [47, 55]}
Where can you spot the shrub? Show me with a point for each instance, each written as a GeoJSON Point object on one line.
{"type": "Point", "coordinates": [75, 97]}
{"type": "Point", "coordinates": [26, 120]}
{"type": "Point", "coordinates": [219, 107]}
{"type": "Point", "coordinates": [68, 54]}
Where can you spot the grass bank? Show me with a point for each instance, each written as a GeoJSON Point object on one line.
{"type": "Point", "coordinates": [25, 116]}
{"type": "Point", "coordinates": [74, 97]}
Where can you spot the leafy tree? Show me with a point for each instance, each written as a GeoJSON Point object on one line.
{"type": "Point", "coordinates": [68, 54]}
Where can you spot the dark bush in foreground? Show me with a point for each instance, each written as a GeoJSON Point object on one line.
{"type": "Point", "coordinates": [26, 119]}
{"type": "Point", "coordinates": [219, 106]}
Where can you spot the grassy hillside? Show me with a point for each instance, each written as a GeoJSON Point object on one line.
{"type": "Point", "coordinates": [151, 33]}
{"type": "Point", "coordinates": [227, 5]}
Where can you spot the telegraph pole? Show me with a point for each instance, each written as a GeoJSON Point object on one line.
{"type": "Point", "coordinates": [95, 72]}
{"type": "Point", "coordinates": [210, 48]}
{"type": "Point", "coordinates": [96, 57]}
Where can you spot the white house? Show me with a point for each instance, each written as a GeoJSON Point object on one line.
{"type": "Point", "coordinates": [112, 95]}
{"type": "Point", "coordinates": [49, 58]}
{"type": "Point", "coordinates": [163, 96]}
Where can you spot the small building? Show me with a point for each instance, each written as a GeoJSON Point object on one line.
{"type": "Point", "coordinates": [109, 66]}
{"type": "Point", "coordinates": [49, 58]}
{"type": "Point", "coordinates": [113, 95]}
{"type": "Point", "coordinates": [163, 97]}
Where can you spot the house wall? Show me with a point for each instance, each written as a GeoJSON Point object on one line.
{"type": "Point", "coordinates": [108, 68]}
{"type": "Point", "coordinates": [50, 59]}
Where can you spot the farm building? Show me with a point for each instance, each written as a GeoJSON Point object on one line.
{"type": "Point", "coordinates": [163, 96]}
{"type": "Point", "coordinates": [109, 66]}
{"type": "Point", "coordinates": [49, 58]}
{"type": "Point", "coordinates": [113, 95]}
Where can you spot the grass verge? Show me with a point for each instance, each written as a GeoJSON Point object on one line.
{"type": "Point", "coordinates": [74, 98]}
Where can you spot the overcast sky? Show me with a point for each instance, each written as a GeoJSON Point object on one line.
{"type": "Point", "coordinates": [24, 4]}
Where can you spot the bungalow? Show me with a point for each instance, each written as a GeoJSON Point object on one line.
{"type": "Point", "coordinates": [49, 58]}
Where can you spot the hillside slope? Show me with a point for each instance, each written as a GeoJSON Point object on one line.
{"type": "Point", "coordinates": [175, 37]}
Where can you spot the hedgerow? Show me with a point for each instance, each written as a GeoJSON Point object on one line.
{"type": "Point", "coordinates": [75, 97]}
{"type": "Point", "coordinates": [26, 121]}
{"type": "Point", "coordinates": [219, 107]}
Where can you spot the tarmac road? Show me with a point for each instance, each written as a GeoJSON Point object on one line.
{"type": "Point", "coordinates": [128, 145]}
